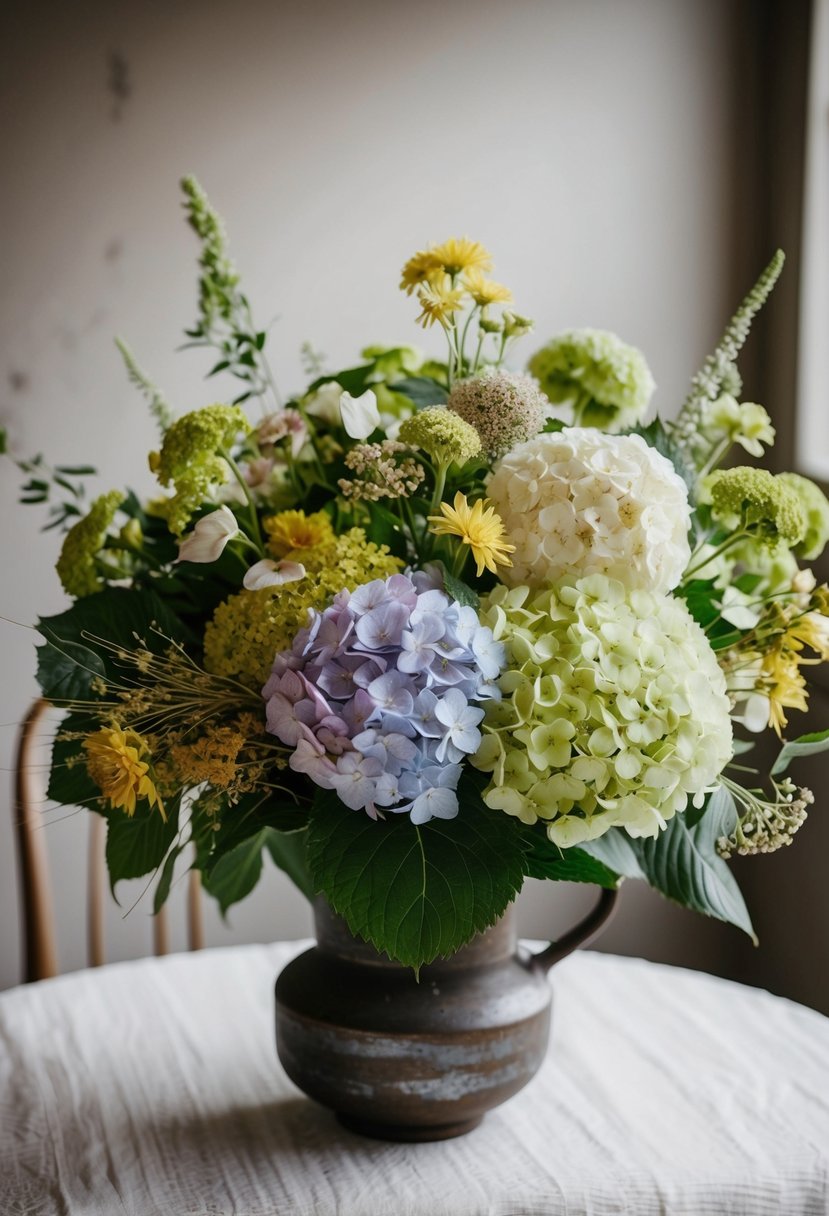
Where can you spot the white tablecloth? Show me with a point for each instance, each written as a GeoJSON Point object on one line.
{"type": "Point", "coordinates": [152, 1089]}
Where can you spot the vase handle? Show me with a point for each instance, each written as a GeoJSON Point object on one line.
{"type": "Point", "coordinates": [579, 934]}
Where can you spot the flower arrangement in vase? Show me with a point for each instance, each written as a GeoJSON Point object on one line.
{"type": "Point", "coordinates": [430, 627]}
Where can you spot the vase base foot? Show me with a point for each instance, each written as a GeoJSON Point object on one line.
{"type": "Point", "coordinates": [408, 1133]}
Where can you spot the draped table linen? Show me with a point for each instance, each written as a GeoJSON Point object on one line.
{"type": "Point", "coordinates": [152, 1088]}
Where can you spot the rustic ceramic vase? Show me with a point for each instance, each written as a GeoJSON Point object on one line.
{"type": "Point", "coordinates": [399, 1058]}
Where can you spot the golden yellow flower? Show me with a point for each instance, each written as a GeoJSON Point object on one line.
{"type": "Point", "coordinates": [485, 291]}
{"type": "Point", "coordinates": [811, 629]}
{"type": "Point", "coordinates": [419, 269]}
{"type": "Point", "coordinates": [295, 530]}
{"type": "Point", "coordinates": [478, 526]}
{"type": "Point", "coordinates": [115, 762]}
{"type": "Point", "coordinates": [439, 301]}
{"type": "Point", "coordinates": [459, 254]}
{"type": "Point", "coordinates": [786, 686]}
{"type": "Point", "coordinates": [211, 757]}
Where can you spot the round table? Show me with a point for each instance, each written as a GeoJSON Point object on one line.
{"type": "Point", "coordinates": [152, 1088]}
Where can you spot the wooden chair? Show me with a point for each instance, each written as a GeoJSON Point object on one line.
{"type": "Point", "coordinates": [39, 940]}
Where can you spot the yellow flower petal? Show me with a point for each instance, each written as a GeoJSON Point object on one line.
{"type": "Point", "coordinates": [477, 526]}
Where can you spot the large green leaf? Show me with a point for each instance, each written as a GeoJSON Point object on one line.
{"type": "Point", "coordinates": [237, 871]}
{"type": "Point", "coordinates": [543, 859]}
{"type": "Point", "coordinates": [137, 844]}
{"type": "Point", "coordinates": [617, 851]}
{"type": "Point", "coordinates": [421, 391]}
{"type": "Point", "coordinates": [162, 888]}
{"type": "Point", "coordinates": [65, 670]}
{"type": "Point", "coordinates": [415, 892]}
{"type": "Point", "coordinates": [78, 640]}
{"type": "Point", "coordinates": [69, 782]}
{"type": "Point", "coordinates": [352, 380]}
{"type": "Point", "coordinates": [244, 819]}
{"type": "Point", "coordinates": [806, 745]}
{"type": "Point", "coordinates": [458, 590]}
{"type": "Point", "coordinates": [289, 851]}
{"type": "Point", "coordinates": [682, 862]}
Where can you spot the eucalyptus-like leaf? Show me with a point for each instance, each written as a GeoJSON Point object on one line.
{"type": "Point", "coordinates": [682, 863]}
{"type": "Point", "coordinates": [806, 745]}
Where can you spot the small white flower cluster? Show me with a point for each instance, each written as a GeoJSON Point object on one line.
{"type": "Point", "coordinates": [581, 502]}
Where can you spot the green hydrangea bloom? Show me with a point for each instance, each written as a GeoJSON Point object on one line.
{"type": "Point", "coordinates": [614, 709]}
{"type": "Point", "coordinates": [250, 627]}
{"type": "Point", "coordinates": [608, 383]}
{"type": "Point", "coordinates": [757, 500]}
{"type": "Point", "coordinates": [815, 507]}
{"type": "Point", "coordinates": [442, 435]}
{"type": "Point", "coordinates": [83, 542]}
{"type": "Point", "coordinates": [189, 458]}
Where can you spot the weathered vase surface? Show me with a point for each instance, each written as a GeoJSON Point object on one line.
{"type": "Point", "coordinates": [407, 1059]}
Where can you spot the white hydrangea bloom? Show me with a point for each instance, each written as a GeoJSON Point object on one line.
{"type": "Point", "coordinates": [582, 502]}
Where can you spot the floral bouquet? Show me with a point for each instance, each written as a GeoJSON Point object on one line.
{"type": "Point", "coordinates": [429, 627]}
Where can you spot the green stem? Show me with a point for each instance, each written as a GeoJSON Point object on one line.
{"type": "Point", "coordinates": [462, 552]}
{"type": "Point", "coordinates": [409, 519]}
{"type": "Point", "coordinates": [727, 544]}
{"type": "Point", "coordinates": [501, 350]}
{"type": "Point", "coordinates": [312, 435]}
{"type": "Point", "coordinates": [454, 352]}
{"type": "Point", "coordinates": [254, 518]}
{"type": "Point", "coordinates": [440, 484]}
{"type": "Point", "coordinates": [266, 367]}
{"type": "Point", "coordinates": [716, 456]}
{"type": "Point", "coordinates": [463, 338]}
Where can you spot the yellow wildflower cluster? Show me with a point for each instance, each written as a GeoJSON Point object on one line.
{"type": "Point", "coordinates": [223, 757]}
{"type": "Point", "coordinates": [782, 679]}
{"type": "Point", "coordinates": [447, 276]}
{"type": "Point", "coordinates": [769, 659]}
{"type": "Point", "coordinates": [290, 530]}
{"type": "Point", "coordinates": [250, 627]}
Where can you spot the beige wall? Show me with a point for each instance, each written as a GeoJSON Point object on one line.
{"type": "Point", "coordinates": [587, 142]}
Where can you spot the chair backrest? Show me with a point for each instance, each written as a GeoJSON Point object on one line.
{"type": "Point", "coordinates": [39, 940]}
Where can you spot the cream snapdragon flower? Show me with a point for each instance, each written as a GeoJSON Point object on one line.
{"type": "Point", "coordinates": [614, 709]}
{"type": "Point", "coordinates": [582, 502]}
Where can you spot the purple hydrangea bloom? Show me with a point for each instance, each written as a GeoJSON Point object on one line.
{"type": "Point", "coordinates": [377, 696]}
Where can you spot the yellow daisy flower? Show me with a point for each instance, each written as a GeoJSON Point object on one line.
{"type": "Point", "coordinates": [810, 629]}
{"type": "Point", "coordinates": [478, 526]}
{"type": "Point", "coordinates": [439, 301]}
{"type": "Point", "coordinates": [786, 686]}
{"type": "Point", "coordinates": [419, 269]}
{"type": "Point", "coordinates": [485, 291]}
{"type": "Point", "coordinates": [459, 254]}
{"type": "Point", "coordinates": [114, 761]}
{"type": "Point", "coordinates": [295, 530]}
